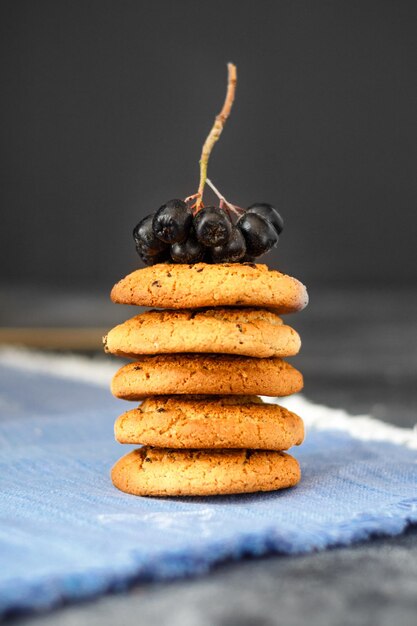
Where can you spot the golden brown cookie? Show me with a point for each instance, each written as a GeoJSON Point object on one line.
{"type": "Point", "coordinates": [165, 472]}
{"type": "Point", "coordinates": [178, 286]}
{"type": "Point", "coordinates": [210, 422]}
{"type": "Point", "coordinates": [250, 332]}
{"type": "Point", "coordinates": [205, 374]}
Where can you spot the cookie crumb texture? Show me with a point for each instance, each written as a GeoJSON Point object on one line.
{"type": "Point", "coordinates": [205, 374]}
{"type": "Point", "coordinates": [166, 472]}
{"type": "Point", "coordinates": [251, 332]}
{"type": "Point", "coordinates": [202, 285]}
{"type": "Point", "coordinates": [182, 422]}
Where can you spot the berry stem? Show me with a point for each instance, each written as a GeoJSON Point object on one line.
{"type": "Point", "coordinates": [222, 199]}
{"type": "Point", "coordinates": [190, 198]}
{"type": "Point", "coordinates": [216, 130]}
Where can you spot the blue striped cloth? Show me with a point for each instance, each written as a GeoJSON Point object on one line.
{"type": "Point", "coordinates": [67, 534]}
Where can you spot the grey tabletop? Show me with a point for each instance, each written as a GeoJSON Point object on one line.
{"type": "Point", "coordinates": [359, 353]}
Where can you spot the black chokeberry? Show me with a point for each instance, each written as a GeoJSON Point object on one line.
{"type": "Point", "coordinates": [145, 238]}
{"type": "Point", "coordinates": [212, 227]}
{"type": "Point", "coordinates": [259, 234]}
{"type": "Point", "coordinates": [153, 259]}
{"type": "Point", "coordinates": [234, 250]}
{"type": "Point", "coordinates": [172, 222]}
{"type": "Point", "coordinates": [189, 251]}
{"type": "Point", "coordinates": [269, 213]}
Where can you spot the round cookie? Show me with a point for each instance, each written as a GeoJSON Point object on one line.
{"type": "Point", "coordinates": [178, 286]}
{"type": "Point", "coordinates": [165, 472]}
{"type": "Point", "coordinates": [205, 374]}
{"type": "Point", "coordinates": [251, 332]}
{"type": "Point", "coordinates": [210, 422]}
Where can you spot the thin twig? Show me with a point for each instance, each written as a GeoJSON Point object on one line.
{"type": "Point", "coordinates": [217, 128]}
{"type": "Point", "coordinates": [189, 198]}
{"type": "Point", "coordinates": [222, 198]}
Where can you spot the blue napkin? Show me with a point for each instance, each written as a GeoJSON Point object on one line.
{"type": "Point", "coordinates": [67, 534]}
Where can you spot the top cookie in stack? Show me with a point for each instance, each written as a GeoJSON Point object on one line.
{"type": "Point", "coordinates": [201, 369]}
{"type": "Point", "coordinates": [201, 285]}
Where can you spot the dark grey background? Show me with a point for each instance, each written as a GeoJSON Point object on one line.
{"type": "Point", "coordinates": [105, 105]}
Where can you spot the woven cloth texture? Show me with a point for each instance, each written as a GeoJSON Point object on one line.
{"type": "Point", "coordinates": [67, 534]}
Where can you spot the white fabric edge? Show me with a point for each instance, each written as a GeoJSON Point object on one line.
{"type": "Point", "coordinates": [94, 370]}
{"type": "Point", "coordinates": [99, 372]}
{"type": "Point", "coordinates": [363, 427]}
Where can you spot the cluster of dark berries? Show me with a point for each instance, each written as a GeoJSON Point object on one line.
{"type": "Point", "coordinates": [175, 234]}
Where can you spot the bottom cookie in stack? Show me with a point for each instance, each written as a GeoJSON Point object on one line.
{"type": "Point", "coordinates": [207, 445]}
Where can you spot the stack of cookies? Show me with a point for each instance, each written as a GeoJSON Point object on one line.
{"type": "Point", "coordinates": [199, 367]}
